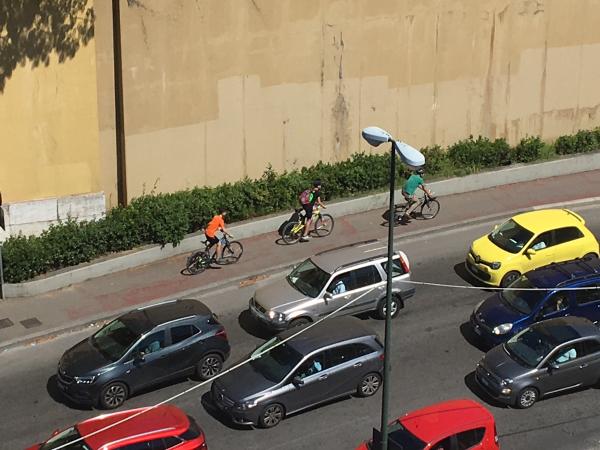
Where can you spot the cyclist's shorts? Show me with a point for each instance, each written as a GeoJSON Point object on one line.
{"type": "Point", "coordinates": [212, 240]}
{"type": "Point", "coordinates": [308, 209]}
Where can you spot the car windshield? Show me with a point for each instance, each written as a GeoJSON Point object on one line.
{"type": "Point", "coordinates": [64, 437]}
{"type": "Point", "coordinates": [510, 236]}
{"type": "Point", "coordinates": [114, 339]}
{"type": "Point", "coordinates": [523, 301]}
{"type": "Point", "coordinates": [277, 362]}
{"type": "Point", "coordinates": [404, 439]}
{"type": "Point", "coordinates": [308, 278]}
{"type": "Point", "coordinates": [529, 346]}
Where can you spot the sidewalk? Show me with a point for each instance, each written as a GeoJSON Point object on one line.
{"type": "Point", "coordinates": [26, 320]}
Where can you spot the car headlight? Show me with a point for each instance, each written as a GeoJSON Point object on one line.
{"type": "Point", "coordinates": [84, 380]}
{"type": "Point", "coordinates": [495, 265]}
{"type": "Point", "coordinates": [243, 406]}
{"type": "Point", "coordinates": [502, 329]}
{"type": "Point", "coordinates": [506, 382]}
{"type": "Point", "coordinates": [274, 315]}
{"type": "Point", "coordinates": [504, 385]}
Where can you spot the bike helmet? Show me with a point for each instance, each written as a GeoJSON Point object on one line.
{"type": "Point", "coordinates": [421, 170]}
{"type": "Point", "coordinates": [317, 183]}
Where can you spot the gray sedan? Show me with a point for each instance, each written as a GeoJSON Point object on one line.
{"type": "Point", "coordinates": [549, 357]}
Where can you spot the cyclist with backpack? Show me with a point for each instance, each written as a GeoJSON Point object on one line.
{"type": "Point", "coordinates": [308, 198]}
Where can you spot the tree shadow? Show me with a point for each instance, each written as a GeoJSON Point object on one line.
{"type": "Point", "coordinates": [32, 30]}
{"type": "Point", "coordinates": [252, 326]}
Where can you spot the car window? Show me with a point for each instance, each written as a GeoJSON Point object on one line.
{"type": "Point", "coordinates": [340, 284]}
{"type": "Point", "coordinates": [308, 278]}
{"type": "Point", "coordinates": [543, 241]}
{"type": "Point", "coordinates": [311, 366]}
{"type": "Point", "coordinates": [182, 332]}
{"type": "Point", "coordinates": [340, 355]}
{"type": "Point", "coordinates": [366, 276]}
{"type": "Point", "coordinates": [555, 303]}
{"type": "Point", "coordinates": [362, 349]}
{"type": "Point", "coordinates": [583, 296]}
{"type": "Point", "coordinates": [155, 444]}
{"type": "Point", "coordinates": [170, 442]}
{"type": "Point", "coordinates": [566, 353]}
{"type": "Point", "coordinates": [590, 346]}
{"type": "Point", "coordinates": [469, 438]}
{"type": "Point", "coordinates": [446, 444]}
{"type": "Point", "coordinates": [510, 236]}
{"type": "Point", "coordinates": [397, 269]}
{"type": "Point", "coordinates": [152, 343]}
{"type": "Point", "coordinates": [567, 234]}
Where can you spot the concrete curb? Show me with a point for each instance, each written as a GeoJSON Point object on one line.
{"type": "Point", "coordinates": [233, 283]}
{"type": "Point", "coordinates": [485, 180]}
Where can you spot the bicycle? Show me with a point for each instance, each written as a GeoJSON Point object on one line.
{"type": "Point", "coordinates": [429, 208]}
{"type": "Point", "coordinates": [200, 260]}
{"type": "Point", "coordinates": [293, 231]}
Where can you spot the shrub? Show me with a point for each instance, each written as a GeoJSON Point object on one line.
{"type": "Point", "coordinates": [435, 159]}
{"type": "Point", "coordinates": [565, 145]}
{"type": "Point", "coordinates": [480, 153]}
{"type": "Point", "coordinates": [528, 149]}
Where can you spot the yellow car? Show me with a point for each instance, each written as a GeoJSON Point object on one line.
{"type": "Point", "coordinates": [528, 241]}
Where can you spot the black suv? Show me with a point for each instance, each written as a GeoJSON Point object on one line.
{"type": "Point", "coordinates": [329, 360]}
{"type": "Point", "coordinates": [144, 347]}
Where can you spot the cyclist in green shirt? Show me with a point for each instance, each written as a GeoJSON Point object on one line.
{"type": "Point", "coordinates": [414, 182]}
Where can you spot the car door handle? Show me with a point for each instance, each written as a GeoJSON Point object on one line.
{"type": "Point", "coordinates": [323, 377]}
{"type": "Point", "coordinates": [358, 364]}
{"type": "Point", "coordinates": [583, 366]}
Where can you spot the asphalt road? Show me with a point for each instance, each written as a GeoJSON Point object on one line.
{"type": "Point", "coordinates": [432, 361]}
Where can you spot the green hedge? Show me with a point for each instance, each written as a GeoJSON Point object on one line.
{"type": "Point", "coordinates": [167, 218]}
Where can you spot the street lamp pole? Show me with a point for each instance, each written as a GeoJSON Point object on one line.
{"type": "Point", "coordinates": [388, 302]}
{"type": "Point", "coordinates": [413, 158]}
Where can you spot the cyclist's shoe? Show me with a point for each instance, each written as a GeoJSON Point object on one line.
{"type": "Point", "coordinates": [305, 239]}
{"type": "Point", "coordinates": [405, 219]}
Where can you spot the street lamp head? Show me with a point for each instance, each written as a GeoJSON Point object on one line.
{"type": "Point", "coordinates": [375, 136]}
{"type": "Point", "coordinates": [409, 155]}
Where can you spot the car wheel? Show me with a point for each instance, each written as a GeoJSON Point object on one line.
{"type": "Point", "coordinates": [509, 278]}
{"type": "Point", "coordinates": [271, 415]}
{"type": "Point", "coordinates": [527, 397]}
{"type": "Point", "coordinates": [369, 385]}
{"type": "Point", "coordinates": [589, 256]}
{"type": "Point", "coordinates": [113, 395]}
{"type": "Point", "coordinates": [397, 305]}
{"type": "Point", "coordinates": [209, 366]}
{"type": "Point", "coordinates": [299, 322]}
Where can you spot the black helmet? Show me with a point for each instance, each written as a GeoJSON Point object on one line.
{"type": "Point", "coordinates": [317, 183]}
{"type": "Point", "coordinates": [421, 170]}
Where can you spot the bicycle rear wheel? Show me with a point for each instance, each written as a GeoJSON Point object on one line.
{"type": "Point", "coordinates": [430, 209]}
{"type": "Point", "coordinates": [196, 263]}
{"type": "Point", "coordinates": [232, 253]}
{"type": "Point", "coordinates": [324, 225]}
{"type": "Point", "coordinates": [289, 235]}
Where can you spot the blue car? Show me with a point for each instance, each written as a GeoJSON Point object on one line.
{"type": "Point", "coordinates": [540, 294]}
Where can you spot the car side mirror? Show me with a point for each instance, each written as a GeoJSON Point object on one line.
{"type": "Point", "coordinates": [55, 432]}
{"type": "Point", "coordinates": [138, 357]}
{"type": "Point", "coordinates": [327, 296]}
{"type": "Point", "coordinates": [495, 227]}
{"type": "Point", "coordinates": [553, 366]}
{"type": "Point", "coordinates": [530, 252]}
{"type": "Point", "coordinates": [538, 316]}
{"type": "Point", "coordinates": [297, 381]}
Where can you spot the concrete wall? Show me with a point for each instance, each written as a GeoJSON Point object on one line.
{"type": "Point", "coordinates": [217, 89]}
{"type": "Point", "coordinates": [48, 107]}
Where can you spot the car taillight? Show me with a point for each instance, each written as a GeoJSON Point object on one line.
{"type": "Point", "coordinates": [222, 334]}
{"type": "Point", "coordinates": [495, 434]}
{"type": "Point", "coordinates": [404, 263]}
{"type": "Point", "coordinates": [382, 356]}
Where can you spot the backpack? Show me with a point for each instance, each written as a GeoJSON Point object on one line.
{"type": "Point", "coordinates": [305, 197]}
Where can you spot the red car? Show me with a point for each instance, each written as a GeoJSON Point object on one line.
{"type": "Point", "coordinates": [451, 425]}
{"type": "Point", "coordinates": [161, 428]}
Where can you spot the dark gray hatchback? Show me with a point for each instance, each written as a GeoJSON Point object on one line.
{"type": "Point", "coordinates": [549, 357]}
{"type": "Point", "coordinates": [332, 359]}
{"type": "Point", "coordinates": [142, 348]}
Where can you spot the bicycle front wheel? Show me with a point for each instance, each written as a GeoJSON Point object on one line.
{"type": "Point", "coordinates": [232, 252]}
{"type": "Point", "coordinates": [430, 209]}
{"type": "Point", "coordinates": [324, 225]}
{"type": "Point", "coordinates": [196, 263]}
{"type": "Point", "coordinates": [290, 234]}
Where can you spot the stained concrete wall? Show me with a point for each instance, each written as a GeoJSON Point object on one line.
{"type": "Point", "coordinates": [217, 89]}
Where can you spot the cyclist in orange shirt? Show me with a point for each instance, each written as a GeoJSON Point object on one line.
{"type": "Point", "coordinates": [216, 224]}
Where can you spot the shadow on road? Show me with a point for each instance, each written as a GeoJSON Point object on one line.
{"type": "Point", "coordinates": [472, 384]}
{"type": "Point", "coordinates": [217, 414]}
{"type": "Point", "coordinates": [471, 337]}
{"type": "Point", "coordinates": [251, 326]}
{"type": "Point", "coordinates": [461, 271]}
{"type": "Point", "coordinates": [56, 395]}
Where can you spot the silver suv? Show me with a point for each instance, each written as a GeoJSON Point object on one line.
{"type": "Point", "coordinates": [330, 279]}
